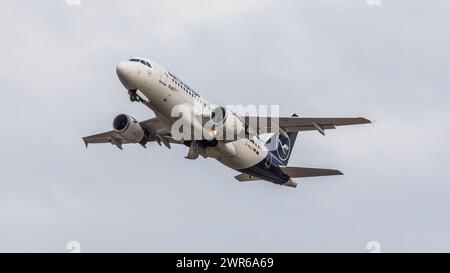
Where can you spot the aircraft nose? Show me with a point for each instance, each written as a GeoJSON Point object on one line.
{"type": "Point", "coordinates": [122, 70]}
{"type": "Point", "coordinates": [124, 73]}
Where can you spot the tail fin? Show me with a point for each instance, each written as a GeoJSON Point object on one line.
{"type": "Point", "coordinates": [281, 146]}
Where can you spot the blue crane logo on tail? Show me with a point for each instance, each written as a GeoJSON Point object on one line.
{"type": "Point", "coordinates": [283, 147]}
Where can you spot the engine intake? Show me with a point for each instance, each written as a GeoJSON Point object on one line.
{"type": "Point", "coordinates": [225, 124]}
{"type": "Point", "coordinates": [128, 128]}
{"type": "Point", "coordinates": [218, 115]}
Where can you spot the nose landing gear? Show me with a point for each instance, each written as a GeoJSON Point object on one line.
{"type": "Point", "coordinates": [134, 96]}
{"type": "Point", "coordinates": [139, 96]}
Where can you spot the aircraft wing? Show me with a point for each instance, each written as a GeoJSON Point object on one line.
{"type": "Point", "coordinates": [152, 126]}
{"type": "Point", "coordinates": [294, 123]}
{"type": "Point", "coordinates": [107, 137]}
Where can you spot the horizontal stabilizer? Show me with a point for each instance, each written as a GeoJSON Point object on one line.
{"type": "Point", "coordinates": [296, 172]}
{"type": "Point", "coordinates": [246, 178]}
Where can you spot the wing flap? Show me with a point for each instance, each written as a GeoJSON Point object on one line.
{"type": "Point", "coordinates": [296, 172]}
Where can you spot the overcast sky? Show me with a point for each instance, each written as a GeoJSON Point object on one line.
{"type": "Point", "coordinates": [339, 58]}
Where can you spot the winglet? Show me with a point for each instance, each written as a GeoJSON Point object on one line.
{"type": "Point", "coordinates": [85, 142]}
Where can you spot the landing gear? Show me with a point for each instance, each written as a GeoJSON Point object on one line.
{"type": "Point", "coordinates": [134, 96]}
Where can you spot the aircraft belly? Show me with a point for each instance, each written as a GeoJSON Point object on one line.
{"type": "Point", "coordinates": [244, 158]}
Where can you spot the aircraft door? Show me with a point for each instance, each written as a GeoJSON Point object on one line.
{"type": "Point", "coordinates": [164, 76]}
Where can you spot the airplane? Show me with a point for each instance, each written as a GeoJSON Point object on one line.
{"type": "Point", "coordinates": [255, 158]}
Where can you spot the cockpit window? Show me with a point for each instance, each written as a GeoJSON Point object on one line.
{"type": "Point", "coordinates": [142, 62]}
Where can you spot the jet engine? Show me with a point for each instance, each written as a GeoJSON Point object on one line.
{"type": "Point", "coordinates": [128, 128]}
{"type": "Point", "coordinates": [225, 125]}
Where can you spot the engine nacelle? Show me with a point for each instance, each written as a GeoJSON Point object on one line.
{"type": "Point", "coordinates": [226, 125]}
{"type": "Point", "coordinates": [128, 128]}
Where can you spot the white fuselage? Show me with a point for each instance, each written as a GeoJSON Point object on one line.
{"type": "Point", "coordinates": [161, 91]}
